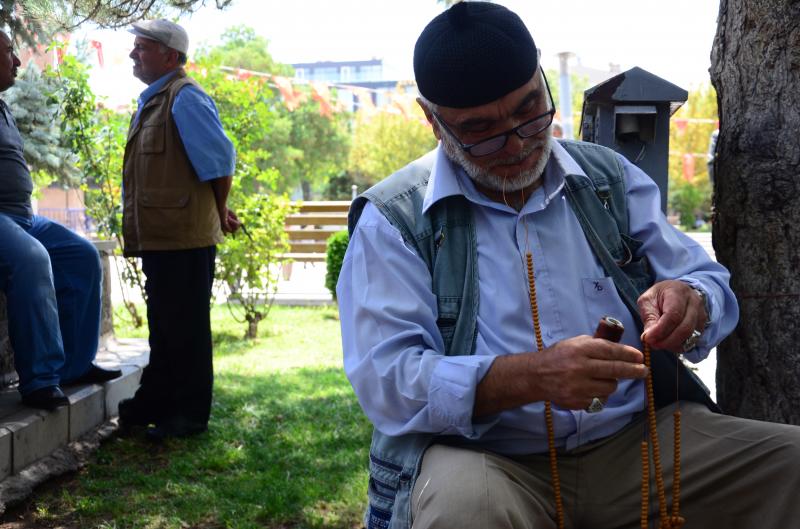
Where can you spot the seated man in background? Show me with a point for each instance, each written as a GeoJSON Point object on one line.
{"type": "Point", "coordinates": [51, 277]}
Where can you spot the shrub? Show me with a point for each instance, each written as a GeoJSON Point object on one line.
{"type": "Point", "coordinates": [337, 246]}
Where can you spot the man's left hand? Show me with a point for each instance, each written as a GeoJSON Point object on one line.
{"type": "Point", "coordinates": [229, 222]}
{"type": "Point", "coordinates": [671, 311]}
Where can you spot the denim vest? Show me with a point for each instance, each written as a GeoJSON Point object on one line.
{"type": "Point", "coordinates": [444, 237]}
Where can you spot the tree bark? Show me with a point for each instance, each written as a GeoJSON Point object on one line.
{"type": "Point", "coordinates": [756, 229]}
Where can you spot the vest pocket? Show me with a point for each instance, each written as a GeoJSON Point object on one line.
{"type": "Point", "coordinates": [163, 213]}
{"type": "Point", "coordinates": [384, 480]}
{"type": "Point", "coordinates": [152, 138]}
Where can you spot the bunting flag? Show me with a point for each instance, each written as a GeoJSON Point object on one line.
{"type": "Point", "coordinates": [365, 102]}
{"type": "Point", "coordinates": [681, 124]}
{"type": "Point", "coordinates": [403, 103]}
{"type": "Point", "coordinates": [688, 167]}
{"type": "Point", "coordinates": [98, 46]}
{"type": "Point", "coordinates": [291, 97]}
{"type": "Point", "coordinates": [321, 94]}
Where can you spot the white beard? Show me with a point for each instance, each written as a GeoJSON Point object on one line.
{"type": "Point", "coordinates": [484, 176]}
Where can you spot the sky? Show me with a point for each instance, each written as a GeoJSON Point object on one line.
{"type": "Point", "coordinates": [670, 39]}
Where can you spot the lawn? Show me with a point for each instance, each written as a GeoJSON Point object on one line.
{"type": "Point", "coordinates": [287, 445]}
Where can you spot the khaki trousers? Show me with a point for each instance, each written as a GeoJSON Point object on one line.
{"type": "Point", "coordinates": [735, 474]}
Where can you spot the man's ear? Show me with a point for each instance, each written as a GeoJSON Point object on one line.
{"type": "Point", "coordinates": [172, 58]}
{"type": "Point", "coordinates": [429, 116]}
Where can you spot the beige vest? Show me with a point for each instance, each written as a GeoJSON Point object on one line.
{"type": "Point", "coordinates": [166, 206]}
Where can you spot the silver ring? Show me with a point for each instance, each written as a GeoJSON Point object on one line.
{"type": "Point", "coordinates": [691, 341]}
{"type": "Point", "coordinates": [595, 406]}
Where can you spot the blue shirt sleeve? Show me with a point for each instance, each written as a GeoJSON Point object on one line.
{"type": "Point", "coordinates": [674, 255]}
{"type": "Point", "coordinates": [209, 150]}
{"type": "Point", "coordinates": [393, 351]}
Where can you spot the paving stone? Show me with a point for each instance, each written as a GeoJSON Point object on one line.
{"type": "Point", "coordinates": [87, 408]}
{"type": "Point", "coordinates": [36, 433]}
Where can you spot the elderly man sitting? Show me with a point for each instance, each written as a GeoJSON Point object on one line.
{"type": "Point", "coordinates": [51, 277]}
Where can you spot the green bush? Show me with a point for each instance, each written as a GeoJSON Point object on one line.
{"type": "Point", "coordinates": [690, 200]}
{"type": "Point", "coordinates": [337, 246]}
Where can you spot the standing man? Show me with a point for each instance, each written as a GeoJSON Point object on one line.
{"type": "Point", "coordinates": [471, 288]}
{"type": "Point", "coordinates": [51, 276]}
{"type": "Point", "coordinates": [176, 178]}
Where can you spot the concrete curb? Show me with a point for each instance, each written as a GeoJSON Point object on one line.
{"type": "Point", "coordinates": [36, 445]}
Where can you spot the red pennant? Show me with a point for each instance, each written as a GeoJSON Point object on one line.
{"type": "Point", "coordinates": [97, 45]}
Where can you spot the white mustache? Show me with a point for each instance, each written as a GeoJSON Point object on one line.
{"type": "Point", "coordinates": [513, 160]}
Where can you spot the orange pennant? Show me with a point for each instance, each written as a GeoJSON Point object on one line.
{"type": "Point", "coordinates": [321, 94]}
{"type": "Point", "coordinates": [688, 166]}
{"type": "Point", "coordinates": [402, 103]}
{"type": "Point", "coordinates": [291, 97]}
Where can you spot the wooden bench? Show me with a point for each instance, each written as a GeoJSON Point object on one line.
{"type": "Point", "coordinates": [309, 228]}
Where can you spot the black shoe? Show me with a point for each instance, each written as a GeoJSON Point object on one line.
{"type": "Point", "coordinates": [174, 427]}
{"type": "Point", "coordinates": [96, 375]}
{"type": "Point", "coordinates": [47, 398]}
{"type": "Point", "coordinates": [131, 413]}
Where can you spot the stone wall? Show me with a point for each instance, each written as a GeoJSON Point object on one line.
{"type": "Point", "coordinates": [7, 374]}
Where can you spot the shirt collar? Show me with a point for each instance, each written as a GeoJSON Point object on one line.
{"type": "Point", "coordinates": [153, 88]}
{"type": "Point", "coordinates": [448, 178]}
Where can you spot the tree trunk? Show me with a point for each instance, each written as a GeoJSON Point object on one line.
{"type": "Point", "coordinates": [756, 72]}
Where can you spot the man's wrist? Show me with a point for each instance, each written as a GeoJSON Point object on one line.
{"type": "Point", "coordinates": [706, 304]}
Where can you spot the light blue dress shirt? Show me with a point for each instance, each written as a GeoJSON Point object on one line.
{"type": "Point", "coordinates": [393, 352]}
{"type": "Point", "coordinates": [210, 151]}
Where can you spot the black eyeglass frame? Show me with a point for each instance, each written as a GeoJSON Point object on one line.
{"type": "Point", "coordinates": [505, 135]}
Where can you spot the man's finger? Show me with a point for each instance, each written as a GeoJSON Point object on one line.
{"type": "Point", "coordinates": [605, 350]}
{"type": "Point", "coordinates": [617, 369]}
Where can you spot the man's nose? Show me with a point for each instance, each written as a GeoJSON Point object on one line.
{"type": "Point", "coordinates": [514, 144]}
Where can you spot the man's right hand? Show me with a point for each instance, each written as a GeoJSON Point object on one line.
{"type": "Point", "coordinates": [229, 222]}
{"type": "Point", "coordinates": [569, 374]}
{"type": "Point", "coordinates": [573, 371]}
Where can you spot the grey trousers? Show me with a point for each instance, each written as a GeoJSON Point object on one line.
{"type": "Point", "coordinates": [735, 474]}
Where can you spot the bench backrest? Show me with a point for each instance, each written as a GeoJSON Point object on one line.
{"type": "Point", "coordinates": [312, 224]}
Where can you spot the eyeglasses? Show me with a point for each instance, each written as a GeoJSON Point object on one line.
{"type": "Point", "coordinates": [530, 128]}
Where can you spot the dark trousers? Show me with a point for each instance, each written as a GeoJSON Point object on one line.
{"type": "Point", "coordinates": [177, 383]}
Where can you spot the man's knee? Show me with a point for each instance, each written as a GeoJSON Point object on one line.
{"type": "Point", "coordinates": [468, 488]}
{"type": "Point", "coordinates": [30, 262]}
{"type": "Point", "coordinates": [89, 256]}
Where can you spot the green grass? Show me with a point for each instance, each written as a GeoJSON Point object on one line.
{"type": "Point", "coordinates": [287, 445]}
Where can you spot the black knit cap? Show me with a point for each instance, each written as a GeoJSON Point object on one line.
{"type": "Point", "coordinates": [472, 54]}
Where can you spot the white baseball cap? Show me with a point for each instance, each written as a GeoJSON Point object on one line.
{"type": "Point", "coordinates": [167, 33]}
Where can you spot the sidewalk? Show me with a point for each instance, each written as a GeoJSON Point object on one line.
{"type": "Point", "coordinates": [306, 286]}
